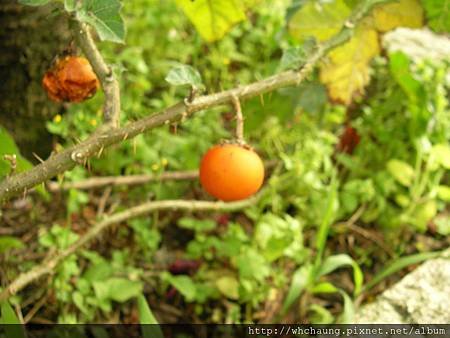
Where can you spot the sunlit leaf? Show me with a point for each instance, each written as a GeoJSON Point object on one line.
{"type": "Point", "coordinates": [228, 286]}
{"type": "Point", "coordinates": [150, 327]}
{"type": "Point", "coordinates": [213, 18]}
{"type": "Point", "coordinates": [346, 73]}
{"type": "Point", "coordinates": [401, 171]}
{"type": "Point", "coordinates": [402, 13]}
{"type": "Point", "coordinates": [319, 20]}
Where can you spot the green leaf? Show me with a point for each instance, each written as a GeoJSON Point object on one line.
{"type": "Point", "coordinates": [196, 224]}
{"type": "Point", "coordinates": [399, 65]}
{"type": "Point", "coordinates": [442, 154]}
{"type": "Point", "coordinates": [443, 193]}
{"type": "Point", "coordinates": [399, 264]}
{"type": "Point", "coordinates": [185, 285]}
{"type": "Point", "coordinates": [9, 242]}
{"type": "Point", "coordinates": [228, 286]}
{"type": "Point", "coordinates": [117, 289]}
{"type": "Point", "coordinates": [150, 328]}
{"type": "Point", "coordinates": [104, 16]}
{"type": "Point", "coordinates": [423, 214]}
{"type": "Point", "coordinates": [145, 313]}
{"type": "Point", "coordinates": [34, 2]}
{"type": "Point", "coordinates": [348, 312]}
{"type": "Point", "coordinates": [332, 263]}
{"type": "Point", "coordinates": [300, 281]}
{"type": "Point", "coordinates": [401, 171]}
{"type": "Point", "coordinates": [320, 315]}
{"type": "Point", "coordinates": [319, 20]}
{"type": "Point", "coordinates": [213, 18]}
{"type": "Point", "coordinates": [9, 147]}
{"type": "Point", "coordinates": [438, 14]}
{"type": "Point", "coordinates": [328, 218]}
{"type": "Point", "coordinates": [443, 225]}
{"type": "Point", "coordinates": [70, 5]}
{"type": "Point", "coordinates": [324, 287]}
{"type": "Point", "coordinates": [181, 75]}
{"type": "Point", "coordinates": [293, 57]}
{"type": "Point", "coordinates": [8, 316]}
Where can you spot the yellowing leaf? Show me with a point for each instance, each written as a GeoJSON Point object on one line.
{"type": "Point", "coordinates": [346, 73]}
{"type": "Point", "coordinates": [321, 21]}
{"type": "Point", "coordinates": [213, 18]}
{"type": "Point", "coordinates": [402, 13]}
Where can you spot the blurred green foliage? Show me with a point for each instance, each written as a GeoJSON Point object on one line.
{"type": "Point", "coordinates": [397, 175]}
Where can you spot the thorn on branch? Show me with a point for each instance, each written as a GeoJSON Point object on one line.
{"type": "Point", "coordinates": [77, 157]}
{"type": "Point", "coordinates": [12, 159]}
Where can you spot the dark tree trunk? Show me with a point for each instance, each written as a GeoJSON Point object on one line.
{"type": "Point", "coordinates": [30, 37]}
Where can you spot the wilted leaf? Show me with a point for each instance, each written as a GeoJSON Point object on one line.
{"type": "Point", "coordinates": [346, 73]}
{"type": "Point", "coordinates": [401, 171]}
{"type": "Point", "coordinates": [320, 20]}
{"type": "Point", "coordinates": [104, 16]}
{"type": "Point", "coordinates": [402, 13]}
{"type": "Point", "coordinates": [181, 75]}
{"type": "Point", "coordinates": [213, 18]}
{"type": "Point", "coordinates": [438, 14]}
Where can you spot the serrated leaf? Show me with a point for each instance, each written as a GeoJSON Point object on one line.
{"type": "Point", "coordinates": [402, 13]}
{"type": "Point", "coordinates": [320, 20]}
{"type": "Point", "coordinates": [438, 14]}
{"type": "Point", "coordinates": [213, 18]}
{"type": "Point", "coordinates": [34, 2]}
{"type": "Point", "coordinates": [295, 57]}
{"type": "Point", "coordinates": [104, 16]}
{"type": "Point", "coordinates": [401, 171]}
{"type": "Point", "coordinates": [181, 75]}
{"type": "Point", "coordinates": [347, 71]}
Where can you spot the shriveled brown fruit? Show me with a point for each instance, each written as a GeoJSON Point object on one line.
{"type": "Point", "coordinates": [71, 80]}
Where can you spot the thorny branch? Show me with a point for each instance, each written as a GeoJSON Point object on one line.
{"type": "Point", "coordinates": [94, 145]}
{"type": "Point", "coordinates": [49, 264]}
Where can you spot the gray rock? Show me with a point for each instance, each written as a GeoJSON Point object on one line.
{"type": "Point", "coordinates": [421, 297]}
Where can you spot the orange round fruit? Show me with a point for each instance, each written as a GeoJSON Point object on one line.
{"type": "Point", "coordinates": [231, 172]}
{"type": "Point", "coordinates": [71, 79]}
